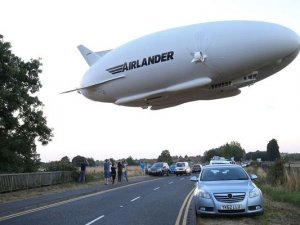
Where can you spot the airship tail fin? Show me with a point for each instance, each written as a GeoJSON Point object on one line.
{"type": "Point", "coordinates": [89, 56]}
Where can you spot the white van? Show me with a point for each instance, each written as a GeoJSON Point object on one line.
{"type": "Point", "coordinates": [182, 168]}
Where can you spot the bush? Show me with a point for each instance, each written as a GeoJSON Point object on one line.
{"type": "Point", "coordinates": [275, 175]}
{"type": "Point", "coordinates": [59, 166]}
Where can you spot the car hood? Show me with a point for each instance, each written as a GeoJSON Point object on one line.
{"type": "Point", "coordinates": [226, 186]}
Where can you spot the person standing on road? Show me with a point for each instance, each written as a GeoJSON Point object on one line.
{"type": "Point", "coordinates": [113, 173]}
{"type": "Point", "coordinates": [142, 165]}
{"type": "Point", "coordinates": [120, 168]}
{"type": "Point", "coordinates": [83, 166]}
{"type": "Point", "coordinates": [110, 165]}
{"type": "Point", "coordinates": [106, 171]}
{"type": "Point", "coordinates": [125, 169]}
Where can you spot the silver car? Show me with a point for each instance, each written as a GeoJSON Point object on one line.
{"type": "Point", "coordinates": [226, 190]}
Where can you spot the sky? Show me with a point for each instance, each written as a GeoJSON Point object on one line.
{"type": "Point", "coordinates": [52, 30]}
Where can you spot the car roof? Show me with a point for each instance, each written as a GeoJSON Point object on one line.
{"type": "Point", "coordinates": [221, 165]}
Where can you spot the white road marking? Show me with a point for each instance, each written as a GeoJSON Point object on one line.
{"type": "Point", "coordinates": [156, 188]}
{"type": "Point", "coordinates": [182, 178]}
{"type": "Point", "coordinates": [70, 200]}
{"type": "Point", "coordinates": [182, 207]}
{"type": "Point", "coordinates": [132, 200]}
{"type": "Point", "coordinates": [121, 206]}
{"type": "Point", "coordinates": [93, 221]}
{"type": "Point", "coordinates": [171, 182]}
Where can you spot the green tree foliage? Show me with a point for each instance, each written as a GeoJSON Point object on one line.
{"type": "Point", "coordinates": [257, 155]}
{"type": "Point", "coordinates": [65, 159]}
{"type": "Point", "coordinates": [273, 150]}
{"type": "Point", "coordinates": [59, 166]}
{"type": "Point", "coordinates": [232, 149]}
{"type": "Point", "coordinates": [292, 157]}
{"type": "Point", "coordinates": [22, 122]}
{"type": "Point", "coordinates": [131, 161]}
{"type": "Point", "coordinates": [165, 156]}
{"type": "Point", "coordinates": [77, 160]}
{"type": "Point", "coordinates": [91, 162]}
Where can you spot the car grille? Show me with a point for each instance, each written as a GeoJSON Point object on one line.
{"type": "Point", "coordinates": [232, 211]}
{"type": "Point", "coordinates": [229, 197]}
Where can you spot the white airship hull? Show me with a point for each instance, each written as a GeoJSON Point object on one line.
{"type": "Point", "coordinates": [197, 62]}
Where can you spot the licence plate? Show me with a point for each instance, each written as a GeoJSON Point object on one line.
{"type": "Point", "coordinates": [231, 207]}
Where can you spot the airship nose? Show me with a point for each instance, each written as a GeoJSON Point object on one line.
{"type": "Point", "coordinates": [289, 40]}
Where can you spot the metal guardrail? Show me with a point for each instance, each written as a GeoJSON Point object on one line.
{"type": "Point", "coordinates": [18, 181]}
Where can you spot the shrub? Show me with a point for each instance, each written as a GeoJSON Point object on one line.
{"type": "Point", "coordinates": [275, 175]}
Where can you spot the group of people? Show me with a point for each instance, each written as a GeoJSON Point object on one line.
{"type": "Point", "coordinates": [111, 170]}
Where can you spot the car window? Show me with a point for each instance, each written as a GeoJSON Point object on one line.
{"type": "Point", "coordinates": [156, 165]}
{"type": "Point", "coordinates": [180, 165]}
{"type": "Point", "coordinates": [214, 174]}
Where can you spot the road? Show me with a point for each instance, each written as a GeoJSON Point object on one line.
{"type": "Point", "coordinates": [150, 201]}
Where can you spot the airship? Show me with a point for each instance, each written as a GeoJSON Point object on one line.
{"type": "Point", "coordinates": [203, 61]}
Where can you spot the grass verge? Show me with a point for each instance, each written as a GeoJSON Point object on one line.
{"type": "Point", "coordinates": [280, 195]}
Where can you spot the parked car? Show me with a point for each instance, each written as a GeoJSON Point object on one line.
{"type": "Point", "coordinates": [148, 166]}
{"type": "Point", "coordinates": [226, 189]}
{"type": "Point", "coordinates": [182, 168]}
{"type": "Point", "coordinates": [172, 168]}
{"type": "Point", "coordinates": [196, 168]}
{"type": "Point", "coordinates": [159, 168]}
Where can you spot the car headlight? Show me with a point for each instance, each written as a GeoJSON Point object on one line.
{"type": "Point", "coordinates": [254, 193]}
{"type": "Point", "coordinates": [203, 194]}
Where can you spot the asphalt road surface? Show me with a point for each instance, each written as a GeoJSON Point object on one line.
{"type": "Point", "coordinates": [153, 200]}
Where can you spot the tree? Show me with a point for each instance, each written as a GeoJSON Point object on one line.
{"type": "Point", "coordinates": [131, 162]}
{"type": "Point", "coordinates": [22, 122]}
{"type": "Point", "coordinates": [91, 162]}
{"type": "Point", "coordinates": [257, 155]}
{"type": "Point", "coordinates": [77, 160]}
{"type": "Point", "coordinates": [65, 159]}
{"type": "Point", "coordinates": [273, 150]}
{"type": "Point", "coordinates": [233, 149]}
{"type": "Point", "coordinates": [165, 157]}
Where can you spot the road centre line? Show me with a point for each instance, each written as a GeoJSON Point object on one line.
{"type": "Point", "coordinates": [156, 188]}
{"type": "Point", "coordinates": [171, 182]}
{"type": "Point", "coordinates": [182, 207]}
{"type": "Point", "coordinates": [93, 221]}
{"type": "Point", "coordinates": [68, 201]}
{"type": "Point", "coordinates": [132, 200]}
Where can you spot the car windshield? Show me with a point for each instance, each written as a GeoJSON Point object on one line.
{"type": "Point", "coordinates": [223, 173]}
{"type": "Point", "coordinates": [180, 164]}
{"type": "Point", "coordinates": [157, 165]}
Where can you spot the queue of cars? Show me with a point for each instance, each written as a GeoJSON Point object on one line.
{"type": "Point", "coordinates": [180, 168]}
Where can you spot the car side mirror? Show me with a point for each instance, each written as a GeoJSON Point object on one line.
{"type": "Point", "coordinates": [194, 179]}
{"type": "Point", "coordinates": [253, 176]}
